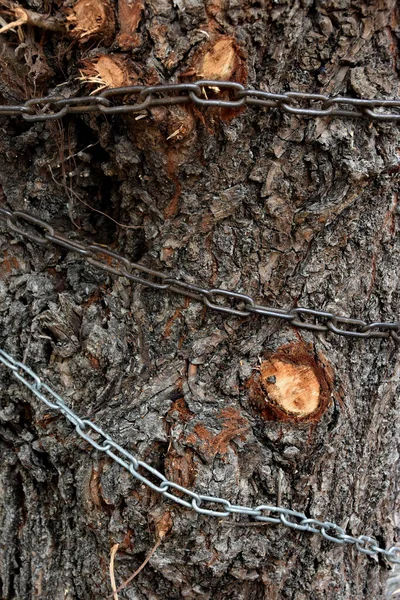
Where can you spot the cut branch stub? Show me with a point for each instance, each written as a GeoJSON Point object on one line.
{"type": "Point", "coordinates": [291, 384]}
{"type": "Point", "coordinates": [92, 19]}
{"type": "Point", "coordinates": [222, 59]}
{"type": "Point", "coordinates": [294, 388]}
{"type": "Point", "coordinates": [109, 71]}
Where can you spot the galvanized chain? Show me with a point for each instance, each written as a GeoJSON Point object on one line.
{"type": "Point", "coordinates": [212, 506]}
{"type": "Point", "coordinates": [221, 300]}
{"type": "Point", "coordinates": [204, 93]}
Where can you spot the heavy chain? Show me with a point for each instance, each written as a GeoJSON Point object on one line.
{"type": "Point", "coordinates": [221, 300]}
{"type": "Point", "coordinates": [212, 506]}
{"type": "Point", "coordinates": [204, 93]}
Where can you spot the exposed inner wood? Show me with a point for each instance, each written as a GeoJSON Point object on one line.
{"type": "Point", "coordinates": [219, 61]}
{"type": "Point", "coordinates": [92, 18]}
{"type": "Point", "coordinates": [294, 388]}
{"type": "Point", "coordinates": [108, 71]}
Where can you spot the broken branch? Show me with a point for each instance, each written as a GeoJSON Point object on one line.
{"type": "Point", "coordinates": [29, 17]}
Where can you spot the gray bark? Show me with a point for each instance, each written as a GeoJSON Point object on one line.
{"type": "Point", "coordinates": [287, 209]}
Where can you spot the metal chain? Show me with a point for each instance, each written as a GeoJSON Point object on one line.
{"type": "Point", "coordinates": [221, 300]}
{"type": "Point", "coordinates": [204, 93]}
{"type": "Point", "coordinates": [212, 506]}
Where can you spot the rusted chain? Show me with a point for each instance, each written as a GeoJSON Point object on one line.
{"type": "Point", "coordinates": [206, 94]}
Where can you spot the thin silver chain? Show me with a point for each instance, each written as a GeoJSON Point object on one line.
{"type": "Point", "coordinates": [221, 300]}
{"type": "Point", "coordinates": [205, 94]}
{"type": "Point", "coordinates": [212, 506]}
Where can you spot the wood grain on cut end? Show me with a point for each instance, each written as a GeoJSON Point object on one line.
{"type": "Point", "coordinates": [294, 388]}
{"type": "Point", "coordinates": [220, 58]}
{"type": "Point", "coordinates": [219, 61]}
{"type": "Point", "coordinates": [108, 71]}
{"type": "Point", "coordinates": [90, 19]}
{"type": "Point", "coordinates": [292, 384]}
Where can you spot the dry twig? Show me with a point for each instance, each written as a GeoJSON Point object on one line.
{"type": "Point", "coordinates": [144, 563]}
{"type": "Point", "coordinates": [113, 552]}
{"type": "Point", "coordinates": [23, 16]}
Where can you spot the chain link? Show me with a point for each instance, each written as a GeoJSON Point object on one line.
{"type": "Point", "coordinates": [212, 506]}
{"type": "Point", "coordinates": [221, 300]}
{"type": "Point", "coordinates": [204, 93]}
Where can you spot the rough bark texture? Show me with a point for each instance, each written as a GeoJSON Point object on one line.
{"type": "Point", "coordinates": [290, 210]}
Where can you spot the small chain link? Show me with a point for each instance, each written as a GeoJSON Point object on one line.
{"type": "Point", "coordinates": [221, 300]}
{"type": "Point", "coordinates": [204, 93]}
{"type": "Point", "coordinates": [212, 506]}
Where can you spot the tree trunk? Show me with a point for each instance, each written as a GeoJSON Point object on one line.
{"type": "Point", "coordinates": [290, 210]}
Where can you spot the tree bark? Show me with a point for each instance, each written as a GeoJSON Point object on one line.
{"type": "Point", "coordinates": [290, 210]}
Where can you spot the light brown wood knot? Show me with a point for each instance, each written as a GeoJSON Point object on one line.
{"type": "Point", "coordinates": [294, 388]}
{"type": "Point", "coordinates": [291, 384]}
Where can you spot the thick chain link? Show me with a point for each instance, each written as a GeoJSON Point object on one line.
{"type": "Point", "coordinates": [221, 300]}
{"type": "Point", "coordinates": [204, 93]}
{"type": "Point", "coordinates": [212, 506]}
